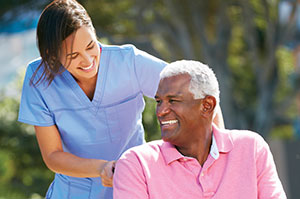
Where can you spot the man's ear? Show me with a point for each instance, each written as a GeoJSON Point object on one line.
{"type": "Point", "coordinates": [208, 105]}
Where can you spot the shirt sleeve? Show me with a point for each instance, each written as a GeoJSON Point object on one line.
{"type": "Point", "coordinates": [148, 68]}
{"type": "Point", "coordinates": [33, 108]}
{"type": "Point", "coordinates": [268, 182]}
{"type": "Point", "coordinates": [129, 181]}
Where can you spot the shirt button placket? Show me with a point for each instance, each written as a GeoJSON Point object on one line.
{"type": "Point", "coordinates": [202, 182]}
{"type": "Point", "coordinates": [207, 190]}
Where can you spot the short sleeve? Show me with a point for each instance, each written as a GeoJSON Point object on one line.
{"type": "Point", "coordinates": [268, 182]}
{"type": "Point", "coordinates": [147, 69]}
{"type": "Point", "coordinates": [33, 108]}
{"type": "Point", "coordinates": [129, 180]}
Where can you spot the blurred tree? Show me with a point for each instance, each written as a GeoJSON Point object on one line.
{"type": "Point", "coordinates": [240, 39]}
{"type": "Point", "coordinates": [9, 10]}
{"type": "Point", "coordinates": [22, 171]}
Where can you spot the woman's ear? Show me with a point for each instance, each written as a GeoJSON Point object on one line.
{"type": "Point", "coordinates": [208, 105]}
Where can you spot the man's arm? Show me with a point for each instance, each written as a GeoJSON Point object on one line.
{"type": "Point", "coordinates": [268, 182]}
{"type": "Point", "coordinates": [129, 181]}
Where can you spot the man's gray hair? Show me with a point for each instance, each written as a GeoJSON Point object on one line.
{"type": "Point", "coordinates": [203, 80]}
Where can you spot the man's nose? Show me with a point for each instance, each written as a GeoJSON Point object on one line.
{"type": "Point", "coordinates": [162, 109]}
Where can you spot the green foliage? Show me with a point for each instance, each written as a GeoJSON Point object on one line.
{"type": "Point", "coordinates": [152, 130]}
{"type": "Point", "coordinates": [243, 77]}
{"type": "Point", "coordinates": [286, 69]}
{"type": "Point", "coordinates": [284, 132]}
{"type": "Point", "coordinates": [22, 171]}
{"type": "Point", "coordinates": [112, 16]}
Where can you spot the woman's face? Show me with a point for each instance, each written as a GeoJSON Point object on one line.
{"type": "Point", "coordinates": [81, 54]}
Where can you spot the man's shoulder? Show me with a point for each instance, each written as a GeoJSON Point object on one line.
{"type": "Point", "coordinates": [245, 137]}
{"type": "Point", "coordinates": [244, 134]}
{"type": "Point", "coordinates": [146, 151]}
{"type": "Point", "coordinates": [147, 147]}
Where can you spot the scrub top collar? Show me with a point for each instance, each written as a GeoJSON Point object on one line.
{"type": "Point", "coordinates": [100, 85]}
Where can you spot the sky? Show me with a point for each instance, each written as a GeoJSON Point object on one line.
{"type": "Point", "coordinates": [17, 47]}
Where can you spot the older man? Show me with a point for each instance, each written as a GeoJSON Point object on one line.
{"type": "Point", "coordinates": [195, 159]}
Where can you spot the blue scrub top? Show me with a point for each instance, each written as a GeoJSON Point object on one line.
{"type": "Point", "coordinates": [102, 128]}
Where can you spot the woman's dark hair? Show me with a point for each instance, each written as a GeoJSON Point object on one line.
{"type": "Point", "coordinates": [58, 20]}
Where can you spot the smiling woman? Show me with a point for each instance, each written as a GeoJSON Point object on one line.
{"type": "Point", "coordinates": [85, 101]}
{"type": "Point", "coordinates": [80, 56]}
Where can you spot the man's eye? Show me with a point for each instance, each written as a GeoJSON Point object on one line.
{"type": "Point", "coordinates": [172, 101]}
{"type": "Point", "coordinates": [158, 101]}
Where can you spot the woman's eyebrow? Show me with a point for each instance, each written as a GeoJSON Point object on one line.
{"type": "Point", "coordinates": [90, 43]}
{"type": "Point", "coordinates": [73, 53]}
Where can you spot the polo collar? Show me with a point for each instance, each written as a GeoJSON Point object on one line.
{"type": "Point", "coordinates": [223, 139]}
{"type": "Point", "coordinates": [221, 142]}
{"type": "Point", "coordinates": [170, 153]}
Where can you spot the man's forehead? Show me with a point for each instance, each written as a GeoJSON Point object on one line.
{"type": "Point", "coordinates": [180, 79]}
{"type": "Point", "coordinates": [174, 85]}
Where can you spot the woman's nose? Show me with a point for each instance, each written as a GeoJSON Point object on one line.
{"type": "Point", "coordinates": [87, 59]}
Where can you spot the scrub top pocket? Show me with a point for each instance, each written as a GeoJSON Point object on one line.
{"type": "Point", "coordinates": [124, 117]}
{"type": "Point", "coordinates": [79, 190]}
{"type": "Point", "coordinates": [67, 187]}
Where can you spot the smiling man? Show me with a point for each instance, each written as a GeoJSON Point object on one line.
{"type": "Point", "coordinates": [195, 159]}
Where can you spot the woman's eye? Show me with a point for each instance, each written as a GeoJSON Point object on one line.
{"type": "Point", "coordinates": [91, 47]}
{"type": "Point", "coordinates": [73, 56]}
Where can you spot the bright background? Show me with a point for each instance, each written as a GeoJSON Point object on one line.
{"type": "Point", "coordinates": [252, 45]}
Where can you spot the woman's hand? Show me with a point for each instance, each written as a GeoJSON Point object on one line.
{"type": "Point", "coordinates": [107, 172]}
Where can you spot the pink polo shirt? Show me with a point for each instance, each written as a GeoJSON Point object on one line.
{"type": "Point", "coordinates": [240, 165]}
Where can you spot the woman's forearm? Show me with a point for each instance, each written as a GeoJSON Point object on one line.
{"type": "Point", "coordinates": [69, 164]}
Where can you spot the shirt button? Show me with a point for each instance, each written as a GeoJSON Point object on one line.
{"type": "Point", "coordinates": [202, 174]}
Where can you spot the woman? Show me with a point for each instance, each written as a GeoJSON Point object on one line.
{"type": "Point", "coordinates": [85, 100]}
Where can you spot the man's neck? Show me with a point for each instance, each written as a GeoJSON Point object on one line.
{"type": "Point", "coordinates": [198, 149]}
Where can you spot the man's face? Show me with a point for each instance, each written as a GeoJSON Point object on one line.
{"type": "Point", "coordinates": [177, 110]}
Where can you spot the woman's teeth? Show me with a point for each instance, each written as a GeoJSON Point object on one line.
{"type": "Point", "coordinates": [87, 68]}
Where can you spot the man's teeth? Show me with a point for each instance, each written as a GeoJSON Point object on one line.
{"type": "Point", "coordinates": [169, 122]}
{"type": "Point", "coordinates": [87, 68]}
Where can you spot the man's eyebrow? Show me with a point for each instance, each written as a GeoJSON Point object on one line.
{"type": "Point", "coordinates": [170, 96]}
{"type": "Point", "coordinates": [177, 95]}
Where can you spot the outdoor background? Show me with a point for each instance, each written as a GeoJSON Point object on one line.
{"type": "Point", "coordinates": [252, 45]}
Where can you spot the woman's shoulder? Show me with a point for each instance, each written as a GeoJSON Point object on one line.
{"type": "Point", "coordinates": [34, 74]}
{"type": "Point", "coordinates": [124, 47]}
{"type": "Point", "coordinates": [33, 65]}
